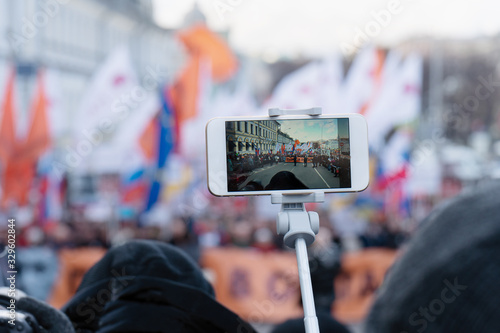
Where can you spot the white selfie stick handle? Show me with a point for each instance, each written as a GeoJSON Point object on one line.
{"type": "Point", "coordinates": [310, 319]}
{"type": "Point", "coordinates": [299, 228]}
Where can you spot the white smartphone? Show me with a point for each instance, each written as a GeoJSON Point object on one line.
{"type": "Point", "coordinates": [287, 154]}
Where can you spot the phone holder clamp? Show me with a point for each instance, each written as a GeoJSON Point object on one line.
{"type": "Point", "coordinates": [274, 112]}
{"type": "Point", "coordinates": [294, 221]}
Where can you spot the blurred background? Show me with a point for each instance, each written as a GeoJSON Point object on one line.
{"type": "Point", "coordinates": [103, 109]}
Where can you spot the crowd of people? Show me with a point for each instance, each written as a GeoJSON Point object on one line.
{"type": "Point", "coordinates": [459, 238]}
{"type": "Point", "coordinates": [226, 222]}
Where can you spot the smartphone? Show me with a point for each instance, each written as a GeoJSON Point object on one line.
{"type": "Point", "coordinates": [287, 154]}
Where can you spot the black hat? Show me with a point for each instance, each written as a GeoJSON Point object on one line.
{"type": "Point", "coordinates": [447, 278]}
{"type": "Point", "coordinates": [148, 286]}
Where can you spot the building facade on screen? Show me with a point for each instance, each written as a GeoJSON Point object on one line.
{"type": "Point", "coordinates": [248, 136]}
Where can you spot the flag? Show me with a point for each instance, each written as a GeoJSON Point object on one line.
{"type": "Point", "coordinates": [398, 103]}
{"type": "Point", "coordinates": [122, 151]}
{"type": "Point", "coordinates": [185, 91]}
{"type": "Point", "coordinates": [394, 159]}
{"type": "Point", "coordinates": [38, 139]}
{"type": "Point", "coordinates": [21, 158]}
{"type": "Point", "coordinates": [202, 46]}
{"type": "Point", "coordinates": [165, 139]}
{"type": "Point", "coordinates": [314, 84]}
{"type": "Point", "coordinates": [188, 130]}
{"type": "Point", "coordinates": [7, 127]}
{"type": "Point", "coordinates": [239, 101]}
{"type": "Point", "coordinates": [148, 140]}
{"type": "Point", "coordinates": [360, 84]}
{"type": "Point", "coordinates": [51, 189]}
{"type": "Point", "coordinates": [134, 189]}
{"type": "Point", "coordinates": [108, 98]}
{"type": "Point", "coordinates": [17, 181]}
{"type": "Point", "coordinates": [136, 136]}
{"type": "Point", "coordinates": [200, 41]}
{"type": "Point", "coordinates": [58, 118]}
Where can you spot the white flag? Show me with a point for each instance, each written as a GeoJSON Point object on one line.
{"type": "Point", "coordinates": [58, 119]}
{"type": "Point", "coordinates": [360, 84]}
{"type": "Point", "coordinates": [315, 84]}
{"type": "Point", "coordinates": [399, 101]}
{"type": "Point", "coordinates": [113, 91]}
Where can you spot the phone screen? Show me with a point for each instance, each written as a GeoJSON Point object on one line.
{"type": "Point", "coordinates": [293, 154]}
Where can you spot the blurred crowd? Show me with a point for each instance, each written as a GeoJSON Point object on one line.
{"type": "Point", "coordinates": [226, 222]}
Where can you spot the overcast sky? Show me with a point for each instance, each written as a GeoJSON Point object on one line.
{"type": "Point", "coordinates": [310, 130]}
{"type": "Point", "coordinates": [272, 28]}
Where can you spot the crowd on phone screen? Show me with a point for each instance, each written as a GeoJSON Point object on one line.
{"type": "Point", "coordinates": [240, 166]}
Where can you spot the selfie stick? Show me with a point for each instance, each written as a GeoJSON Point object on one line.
{"type": "Point", "coordinates": [299, 228]}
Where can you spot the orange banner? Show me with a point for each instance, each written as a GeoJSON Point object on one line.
{"type": "Point", "coordinates": [265, 287]}
{"type": "Point", "coordinates": [260, 287]}
{"type": "Point", "coordinates": [74, 263]}
{"type": "Point", "coordinates": [362, 273]}
{"type": "Point", "coordinates": [290, 159]}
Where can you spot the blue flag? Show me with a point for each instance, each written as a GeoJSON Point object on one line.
{"type": "Point", "coordinates": [165, 125]}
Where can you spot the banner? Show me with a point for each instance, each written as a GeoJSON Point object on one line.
{"type": "Point", "coordinates": [290, 159]}
{"type": "Point", "coordinates": [362, 273]}
{"type": "Point", "coordinates": [264, 288]}
{"type": "Point", "coordinates": [260, 287]}
{"type": "Point", "coordinates": [73, 264]}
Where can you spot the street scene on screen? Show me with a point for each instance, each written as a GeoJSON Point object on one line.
{"type": "Point", "coordinates": [288, 154]}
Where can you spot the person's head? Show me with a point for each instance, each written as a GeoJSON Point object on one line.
{"type": "Point", "coordinates": [148, 286]}
{"type": "Point", "coordinates": [285, 180]}
{"type": "Point", "coordinates": [447, 279]}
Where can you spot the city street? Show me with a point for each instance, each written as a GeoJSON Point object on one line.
{"type": "Point", "coordinates": [313, 178]}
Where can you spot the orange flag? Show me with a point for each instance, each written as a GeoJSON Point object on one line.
{"type": "Point", "coordinates": [377, 78]}
{"type": "Point", "coordinates": [38, 139]}
{"type": "Point", "coordinates": [19, 157]}
{"type": "Point", "coordinates": [148, 140]}
{"type": "Point", "coordinates": [202, 45]}
{"type": "Point", "coordinates": [185, 91]}
{"type": "Point", "coordinates": [200, 41]}
{"type": "Point", "coordinates": [17, 180]}
{"type": "Point", "coordinates": [7, 129]}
